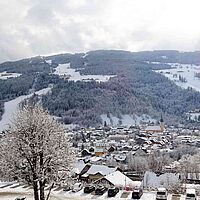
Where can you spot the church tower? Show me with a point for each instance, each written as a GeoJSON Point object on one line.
{"type": "Point", "coordinates": [161, 123]}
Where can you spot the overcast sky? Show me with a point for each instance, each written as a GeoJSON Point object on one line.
{"type": "Point", "coordinates": [42, 27]}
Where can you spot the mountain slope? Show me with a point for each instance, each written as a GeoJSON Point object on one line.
{"type": "Point", "coordinates": [135, 89]}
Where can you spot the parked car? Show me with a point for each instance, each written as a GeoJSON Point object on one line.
{"type": "Point", "coordinates": [137, 193]}
{"type": "Point", "coordinates": [161, 194]}
{"type": "Point", "coordinates": [112, 191]}
{"type": "Point", "coordinates": [77, 187]}
{"type": "Point", "coordinates": [89, 188]}
{"type": "Point", "coordinates": [191, 194]}
{"type": "Point", "coordinates": [100, 190]}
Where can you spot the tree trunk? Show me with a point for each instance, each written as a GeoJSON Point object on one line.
{"type": "Point", "coordinates": [42, 196]}
{"type": "Point", "coordinates": [42, 182]}
{"type": "Point", "coordinates": [49, 191]}
{"type": "Point", "coordinates": [35, 189]}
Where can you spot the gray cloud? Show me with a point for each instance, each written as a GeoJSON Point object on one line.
{"type": "Point", "coordinates": [38, 27]}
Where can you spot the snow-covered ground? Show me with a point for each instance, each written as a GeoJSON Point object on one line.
{"type": "Point", "coordinates": [10, 107]}
{"type": "Point", "coordinates": [184, 70]}
{"type": "Point", "coordinates": [5, 75]}
{"type": "Point", "coordinates": [10, 193]}
{"type": "Point", "coordinates": [64, 70]}
{"type": "Point", "coordinates": [126, 120]}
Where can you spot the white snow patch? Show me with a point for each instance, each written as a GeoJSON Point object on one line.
{"type": "Point", "coordinates": [5, 75]}
{"type": "Point", "coordinates": [65, 71]}
{"type": "Point", "coordinates": [157, 63]}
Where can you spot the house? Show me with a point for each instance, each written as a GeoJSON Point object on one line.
{"type": "Point", "coordinates": [85, 152]}
{"type": "Point", "coordinates": [111, 149]}
{"type": "Point", "coordinates": [79, 167]}
{"type": "Point", "coordinates": [126, 148]}
{"type": "Point", "coordinates": [141, 152]}
{"type": "Point", "coordinates": [96, 160]}
{"type": "Point", "coordinates": [100, 148]}
{"type": "Point", "coordinates": [155, 128]}
{"type": "Point", "coordinates": [120, 158]}
{"type": "Point", "coordinates": [91, 149]}
{"type": "Point", "coordinates": [99, 151]}
{"type": "Point", "coordinates": [96, 172]}
{"type": "Point", "coordinates": [118, 179]}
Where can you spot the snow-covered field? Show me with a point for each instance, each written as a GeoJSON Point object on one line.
{"type": "Point", "coordinates": [10, 107]}
{"type": "Point", "coordinates": [126, 120]}
{"type": "Point", "coordinates": [184, 70]}
{"type": "Point", "coordinates": [5, 75]}
{"type": "Point", "coordinates": [73, 75]}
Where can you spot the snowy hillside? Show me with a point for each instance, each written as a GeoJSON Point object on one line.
{"type": "Point", "coordinates": [186, 71]}
{"type": "Point", "coordinates": [64, 70]}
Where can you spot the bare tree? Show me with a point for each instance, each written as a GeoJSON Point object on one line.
{"type": "Point", "coordinates": [35, 150]}
{"type": "Point", "coordinates": [137, 163]}
{"type": "Point", "coordinates": [190, 164]}
{"type": "Point", "coordinates": [158, 161]}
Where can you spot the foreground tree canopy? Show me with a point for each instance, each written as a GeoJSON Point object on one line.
{"type": "Point", "coordinates": [35, 150]}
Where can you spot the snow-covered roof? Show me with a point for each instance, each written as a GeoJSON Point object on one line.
{"type": "Point", "coordinates": [190, 191]}
{"type": "Point", "coordinates": [120, 157]}
{"type": "Point", "coordinates": [119, 179]}
{"type": "Point", "coordinates": [79, 167]}
{"type": "Point", "coordinates": [95, 159]}
{"type": "Point", "coordinates": [97, 150]}
{"type": "Point", "coordinates": [153, 128]}
{"type": "Point", "coordinates": [102, 169]}
{"type": "Point", "coordinates": [162, 189]}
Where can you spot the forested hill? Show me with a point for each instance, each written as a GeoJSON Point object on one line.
{"type": "Point", "coordinates": [135, 89]}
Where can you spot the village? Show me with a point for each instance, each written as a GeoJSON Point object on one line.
{"type": "Point", "coordinates": [138, 162]}
{"type": "Point", "coordinates": [135, 161]}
